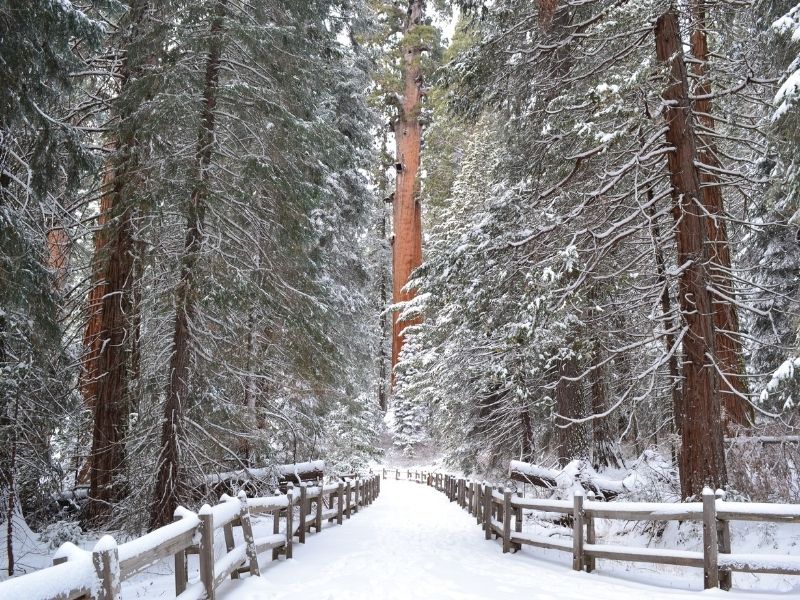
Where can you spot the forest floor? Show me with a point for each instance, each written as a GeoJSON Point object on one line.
{"type": "Point", "coordinates": [413, 543]}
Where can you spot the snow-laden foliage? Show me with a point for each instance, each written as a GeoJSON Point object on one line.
{"type": "Point", "coordinates": [554, 313]}
{"type": "Point", "coordinates": [281, 332]}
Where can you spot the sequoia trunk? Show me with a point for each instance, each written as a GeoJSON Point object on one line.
{"type": "Point", "coordinates": [728, 348]}
{"type": "Point", "coordinates": [407, 248]}
{"type": "Point", "coordinates": [702, 458]}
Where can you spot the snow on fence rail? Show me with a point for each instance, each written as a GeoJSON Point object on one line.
{"type": "Point", "coordinates": [98, 575]}
{"type": "Point", "coordinates": [499, 511]}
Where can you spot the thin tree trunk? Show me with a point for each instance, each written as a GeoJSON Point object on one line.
{"type": "Point", "coordinates": [526, 425]}
{"type": "Point", "coordinates": [407, 249]}
{"type": "Point", "coordinates": [702, 459]}
{"type": "Point", "coordinates": [168, 489]}
{"type": "Point", "coordinates": [666, 317]}
{"type": "Point", "coordinates": [736, 410]}
{"type": "Point", "coordinates": [571, 438]}
{"type": "Point", "coordinates": [604, 448]}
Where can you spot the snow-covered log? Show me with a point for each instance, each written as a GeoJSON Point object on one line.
{"type": "Point", "coordinates": [281, 475]}
{"type": "Point", "coordinates": [764, 439]}
{"type": "Point", "coordinates": [575, 473]}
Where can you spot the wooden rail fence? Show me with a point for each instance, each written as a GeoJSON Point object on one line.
{"type": "Point", "coordinates": [98, 575]}
{"type": "Point", "coordinates": [499, 511]}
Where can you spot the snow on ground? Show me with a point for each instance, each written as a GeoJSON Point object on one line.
{"type": "Point", "coordinates": [413, 543]}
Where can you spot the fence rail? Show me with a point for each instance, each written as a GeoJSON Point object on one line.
{"type": "Point", "coordinates": [500, 513]}
{"type": "Point", "coordinates": [98, 575]}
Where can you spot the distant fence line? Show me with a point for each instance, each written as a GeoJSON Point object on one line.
{"type": "Point", "coordinates": [499, 511]}
{"type": "Point", "coordinates": [98, 575]}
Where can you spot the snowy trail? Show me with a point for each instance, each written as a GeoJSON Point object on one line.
{"type": "Point", "coordinates": [413, 543]}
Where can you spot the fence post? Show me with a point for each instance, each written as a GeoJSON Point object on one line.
{"type": "Point", "coordinates": [710, 542]}
{"type": "Point", "coordinates": [478, 502]}
{"type": "Point", "coordinates": [499, 507]}
{"type": "Point", "coordinates": [590, 534]}
{"type": "Point", "coordinates": [355, 499]}
{"type": "Point", "coordinates": [301, 533]}
{"type": "Point", "coordinates": [105, 558]}
{"type": "Point", "coordinates": [181, 570]}
{"type": "Point", "coordinates": [384, 473]}
{"type": "Point", "coordinates": [347, 493]}
{"type": "Point", "coordinates": [318, 518]}
{"type": "Point", "coordinates": [276, 529]}
{"type": "Point", "coordinates": [207, 550]}
{"type": "Point", "coordinates": [247, 533]}
{"type": "Point", "coordinates": [227, 532]}
{"type": "Point", "coordinates": [487, 511]}
{"type": "Point", "coordinates": [397, 473]}
{"type": "Point", "coordinates": [577, 531]}
{"type": "Point", "coordinates": [339, 503]}
{"type": "Point", "coordinates": [462, 492]}
{"type": "Point", "coordinates": [289, 522]}
{"type": "Point", "coordinates": [506, 521]}
{"type": "Point", "coordinates": [724, 537]}
{"type": "Point", "coordinates": [518, 521]}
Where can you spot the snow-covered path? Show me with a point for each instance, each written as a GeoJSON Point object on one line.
{"type": "Point", "coordinates": [413, 543]}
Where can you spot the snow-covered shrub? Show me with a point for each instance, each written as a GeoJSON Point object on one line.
{"type": "Point", "coordinates": [652, 478]}
{"type": "Point", "coordinates": [56, 534]}
{"type": "Point", "coordinates": [763, 469]}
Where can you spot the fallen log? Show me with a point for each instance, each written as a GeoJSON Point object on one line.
{"type": "Point", "coordinates": [574, 473]}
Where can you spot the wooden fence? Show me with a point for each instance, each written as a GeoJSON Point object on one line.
{"type": "Point", "coordinates": [499, 511]}
{"type": "Point", "coordinates": [98, 575]}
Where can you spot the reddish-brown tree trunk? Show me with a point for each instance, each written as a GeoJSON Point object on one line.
{"type": "Point", "coordinates": [702, 457]}
{"type": "Point", "coordinates": [104, 380]}
{"type": "Point", "coordinates": [407, 247]}
{"type": "Point", "coordinates": [108, 455]}
{"type": "Point", "coordinates": [91, 337]}
{"type": "Point", "coordinates": [58, 245]}
{"type": "Point", "coordinates": [169, 485]}
{"type": "Point", "coordinates": [735, 409]}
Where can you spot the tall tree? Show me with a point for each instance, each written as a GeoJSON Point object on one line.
{"type": "Point", "coordinates": [702, 456]}
{"type": "Point", "coordinates": [407, 127]}
{"type": "Point", "coordinates": [168, 483]}
{"type": "Point", "coordinates": [109, 352]}
{"type": "Point", "coordinates": [727, 343]}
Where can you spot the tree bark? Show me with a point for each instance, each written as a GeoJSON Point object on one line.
{"type": "Point", "coordinates": [571, 438]}
{"type": "Point", "coordinates": [107, 458]}
{"type": "Point", "coordinates": [105, 376]}
{"type": "Point", "coordinates": [407, 249]}
{"type": "Point", "coordinates": [169, 485]}
{"type": "Point", "coordinates": [702, 457]}
{"type": "Point", "coordinates": [92, 343]}
{"type": "Point", "coordinates": [604, 448]}
{"type": "Point", "coordinates": [735, 409]}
